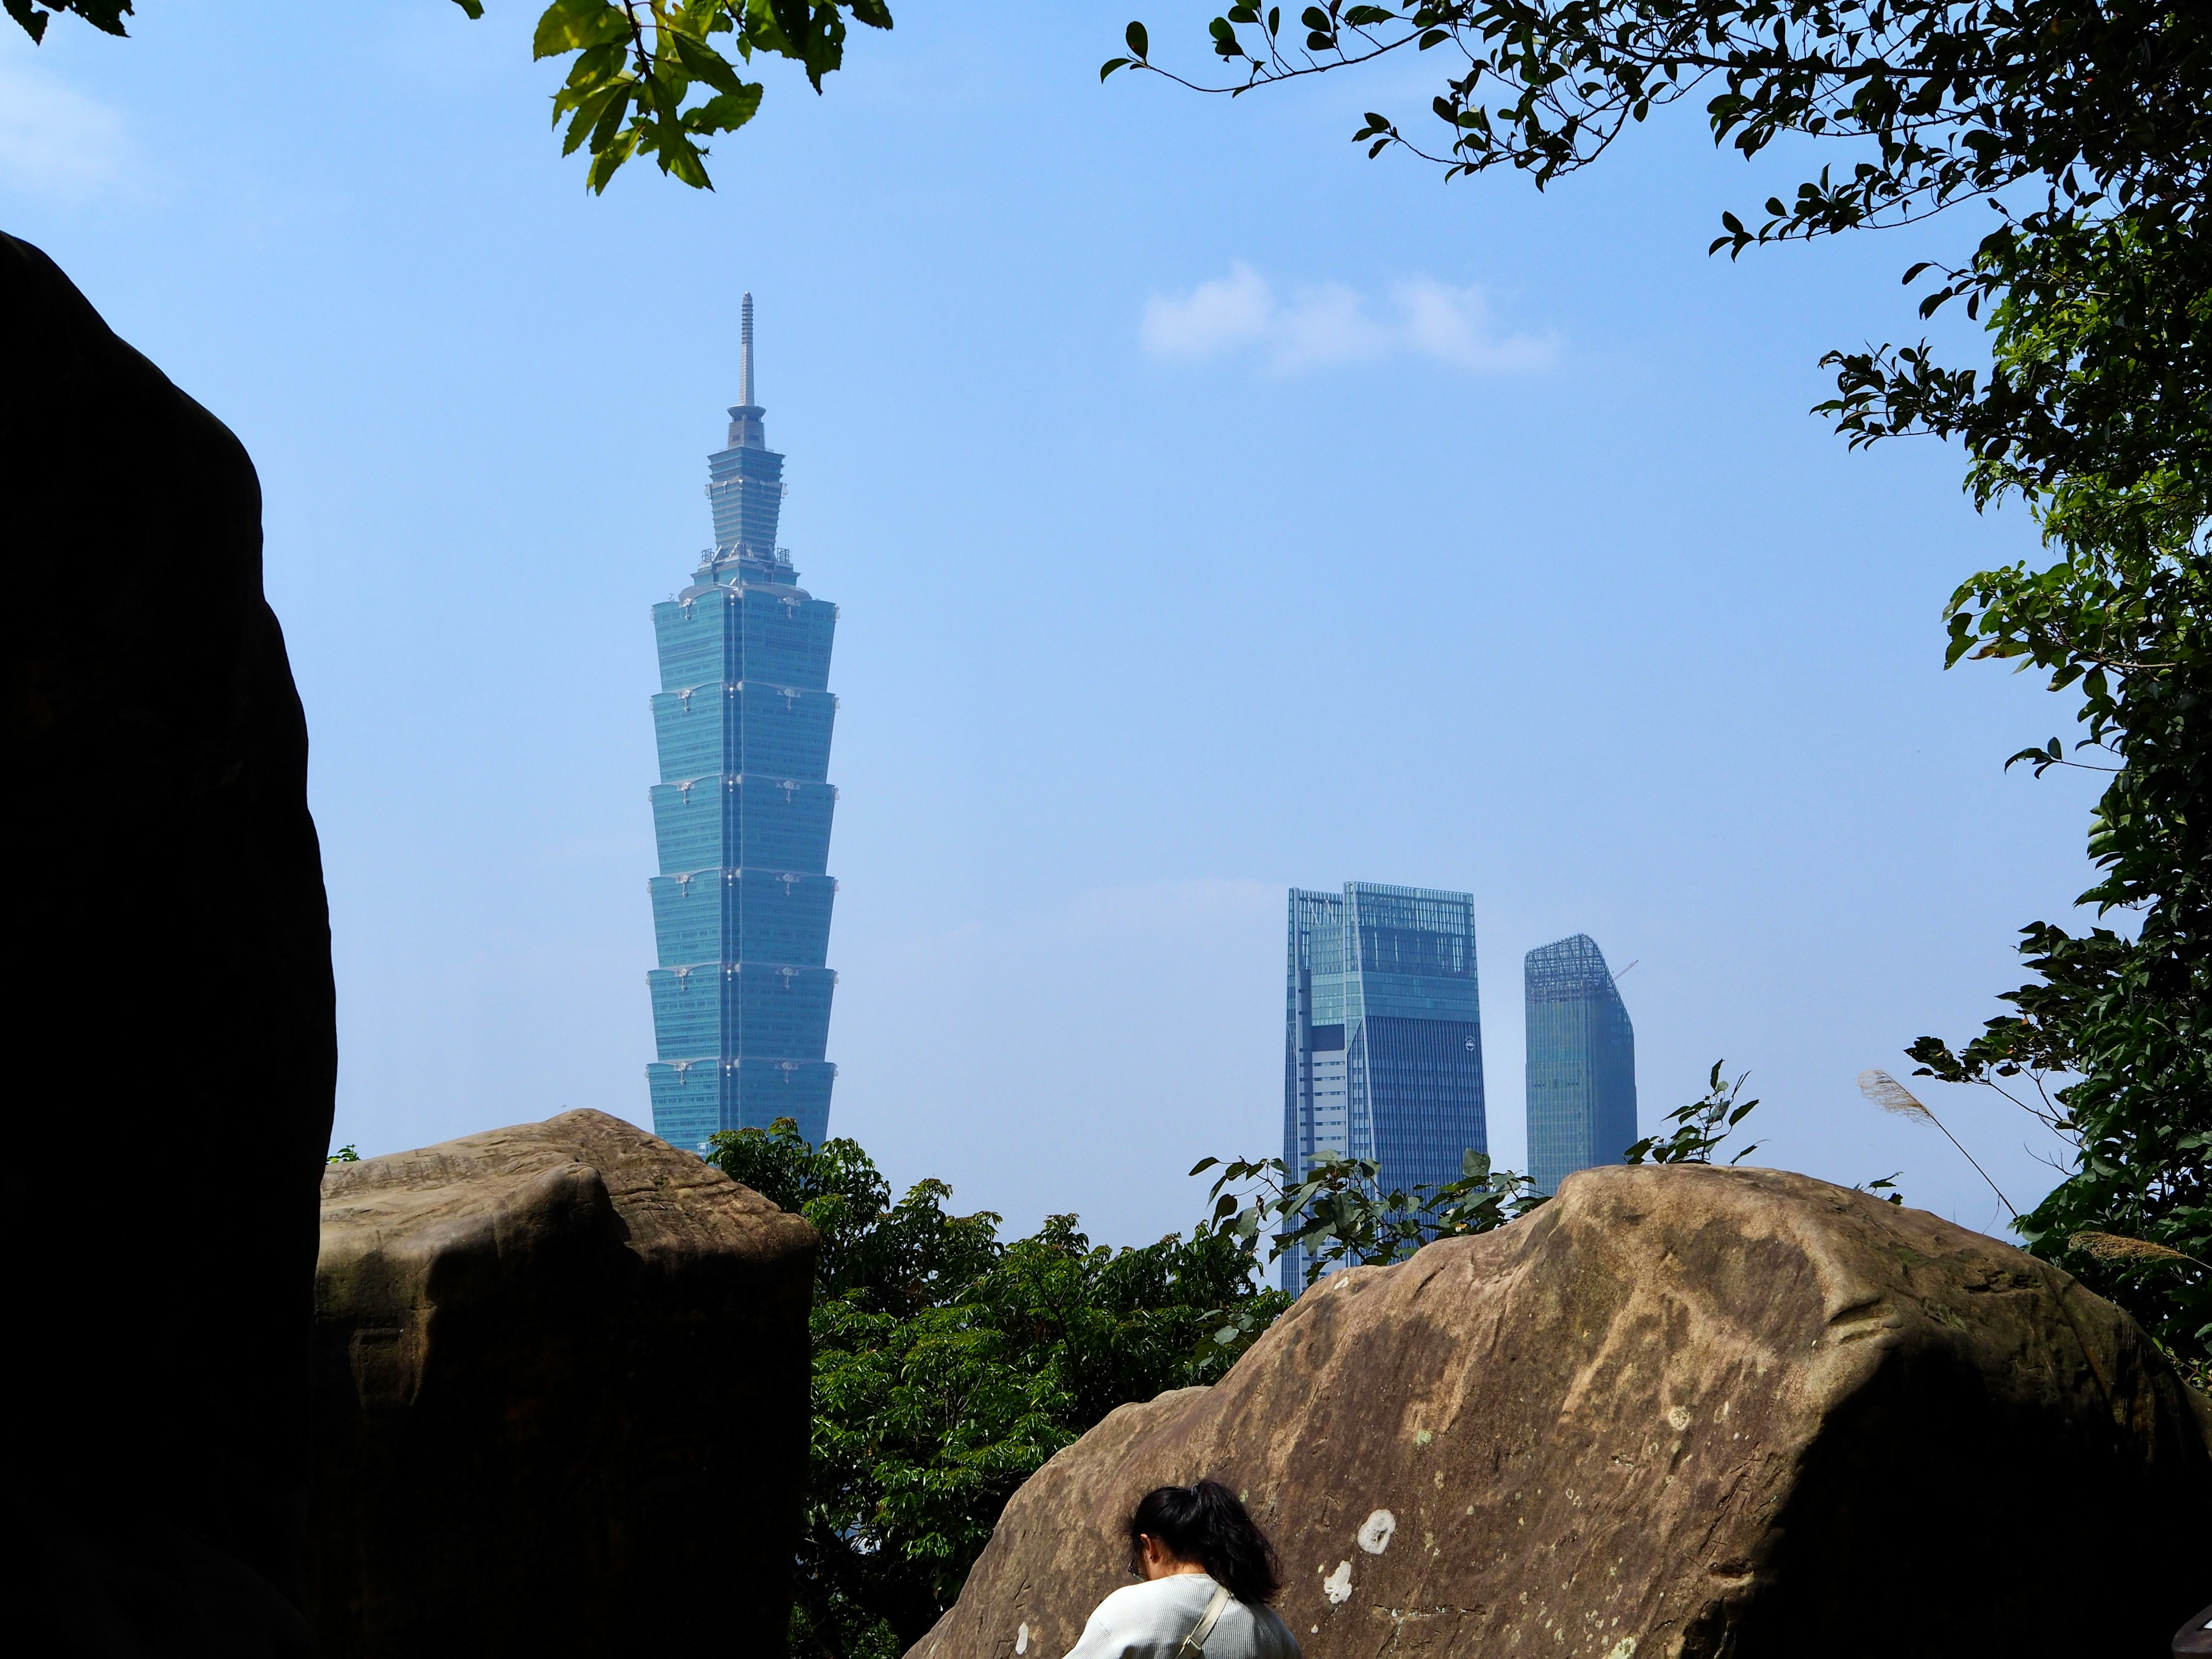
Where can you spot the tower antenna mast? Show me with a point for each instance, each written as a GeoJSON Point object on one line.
{"type": "Point", "coordinates": [745, 355]}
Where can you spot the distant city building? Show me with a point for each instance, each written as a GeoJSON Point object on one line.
{"type": "Point", "coordinates": [741, 906]}
{"type": "Point", "coordinates": [1383, 1039]}
{"type": "Point", "coordinates": [1582, 1062]}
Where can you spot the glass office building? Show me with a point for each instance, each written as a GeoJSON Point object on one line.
{"type": "Point", "coordinates": [1582, 1062]}
{"type": "Point", "coordinates": [1382, 1054]}
{"type": "Point", "coordinates": [741, 815]}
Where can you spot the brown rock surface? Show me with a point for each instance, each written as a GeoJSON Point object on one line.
{"type": "Point", "coordinates": [560, 1400]}
{"type": "Point", "coordinates": [1680, 1411]}
{"type": "Point", "coordinates": [171, 1043]}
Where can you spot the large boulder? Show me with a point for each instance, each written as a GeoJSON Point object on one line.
{"type": "Point", "coordinates": [1679, 1410]}
{"type": "Point", "coordinates": [560, 1400]}
{"type": "Point", "coordinates": [172, 1021]}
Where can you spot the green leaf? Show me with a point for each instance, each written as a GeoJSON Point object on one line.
{"type": "Point", "coordinates": [681, 158]}
{"type": "Point", "coordinates": [1140, 42]}
{"type": "Point", "coordinates": [597, 114]}
{"type": "Point", "coordinates": [572, 24]}
{"type": "Point", "coordinates": [701, 62]}
{"type": "Point", "coordinates": [607, 157]}
{"type": "Point", "coordinates": [726, 114]}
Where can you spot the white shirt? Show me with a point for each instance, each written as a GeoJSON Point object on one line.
{"type": "Point", "coordinates": [1149, 1621]}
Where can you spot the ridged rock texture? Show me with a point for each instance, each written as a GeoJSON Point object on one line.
{"type": "Point", "coordinates": [171, 1043]}
{"type": "Point", "coordinates": [1678, 1411]}
{"type": "Point", "coordinates": [560, 1400]}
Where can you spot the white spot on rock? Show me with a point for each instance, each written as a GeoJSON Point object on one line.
{"type": "Point", "coordinates": [1678, 1417]}
{"type": "Point", "coordinates": [1338, 1585]}
{"type": "Point", "coordinates": [1375, 1532]}
{"type": "Point", "coordinates": [1021, 1640]}
{"type": "Point", "coordinates": [1624, 1649]}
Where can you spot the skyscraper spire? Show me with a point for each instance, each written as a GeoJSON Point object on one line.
{"type": "Point", "coordinates": [745, 480]}
{"type": "Point", "coordinates": [745, 356]}
{"type": "Point", "coordinates": [746, 430]}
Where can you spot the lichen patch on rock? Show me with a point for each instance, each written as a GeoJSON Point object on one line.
{"type": "Point", "coordinates": [1377, 1531]}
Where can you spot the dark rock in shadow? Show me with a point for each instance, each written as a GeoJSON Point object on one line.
{"type": "Point", "coordinates": [171, 1045]}
{"type": "Point", "coordinates": [560, 1400]}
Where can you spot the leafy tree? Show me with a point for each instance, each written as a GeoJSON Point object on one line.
{"type": "Point", "coordinates": [645, 77]}
{"type": "Point", "coordinates": [2086, 125]}
{"type": "Point", "coordinates": [949, 1366]}
{"type": "Point", "coordinates": [1700, 1126]}
{"type": "Point", "coordinates": [2106, 349]}
{"type": "Point", "coordinates": [1339, 1215]}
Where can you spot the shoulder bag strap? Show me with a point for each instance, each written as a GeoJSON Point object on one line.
{"type": "Point", "coordinates": [1194, 1644]}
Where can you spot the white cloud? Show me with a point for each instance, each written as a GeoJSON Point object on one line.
{"type": "Point", "coordinates": [54, 141]}
{"type": "Point", "coordinates": [1454, 325]}
{"type": "Point", "coordinates": [1229, 311]}
{"type": "Point", "coordinates": [1326, 323]}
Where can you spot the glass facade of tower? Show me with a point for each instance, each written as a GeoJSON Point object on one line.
{"type": "Point", "coordinates": [1383, 1050]}
{"type": "Point", "coordinates": [741, 815]}
{"type": "Point", "coordinates": [1581, 1062]}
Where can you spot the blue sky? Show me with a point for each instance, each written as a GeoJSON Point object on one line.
{"type": "Point", "coordinates": [1212, 510]}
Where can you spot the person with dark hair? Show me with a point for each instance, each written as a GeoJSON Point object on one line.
{"type": "Point", "coordinates": [1208, 1573]}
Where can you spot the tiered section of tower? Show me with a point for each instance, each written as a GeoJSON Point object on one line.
{"type": "Point", "coordinates": [741, 814]}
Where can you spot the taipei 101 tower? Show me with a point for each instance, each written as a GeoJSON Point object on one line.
{"type": "Point", "coordinates": [741, 814]}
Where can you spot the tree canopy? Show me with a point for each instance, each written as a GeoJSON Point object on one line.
{"type": "Point", "coordinates": [645, 77]}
